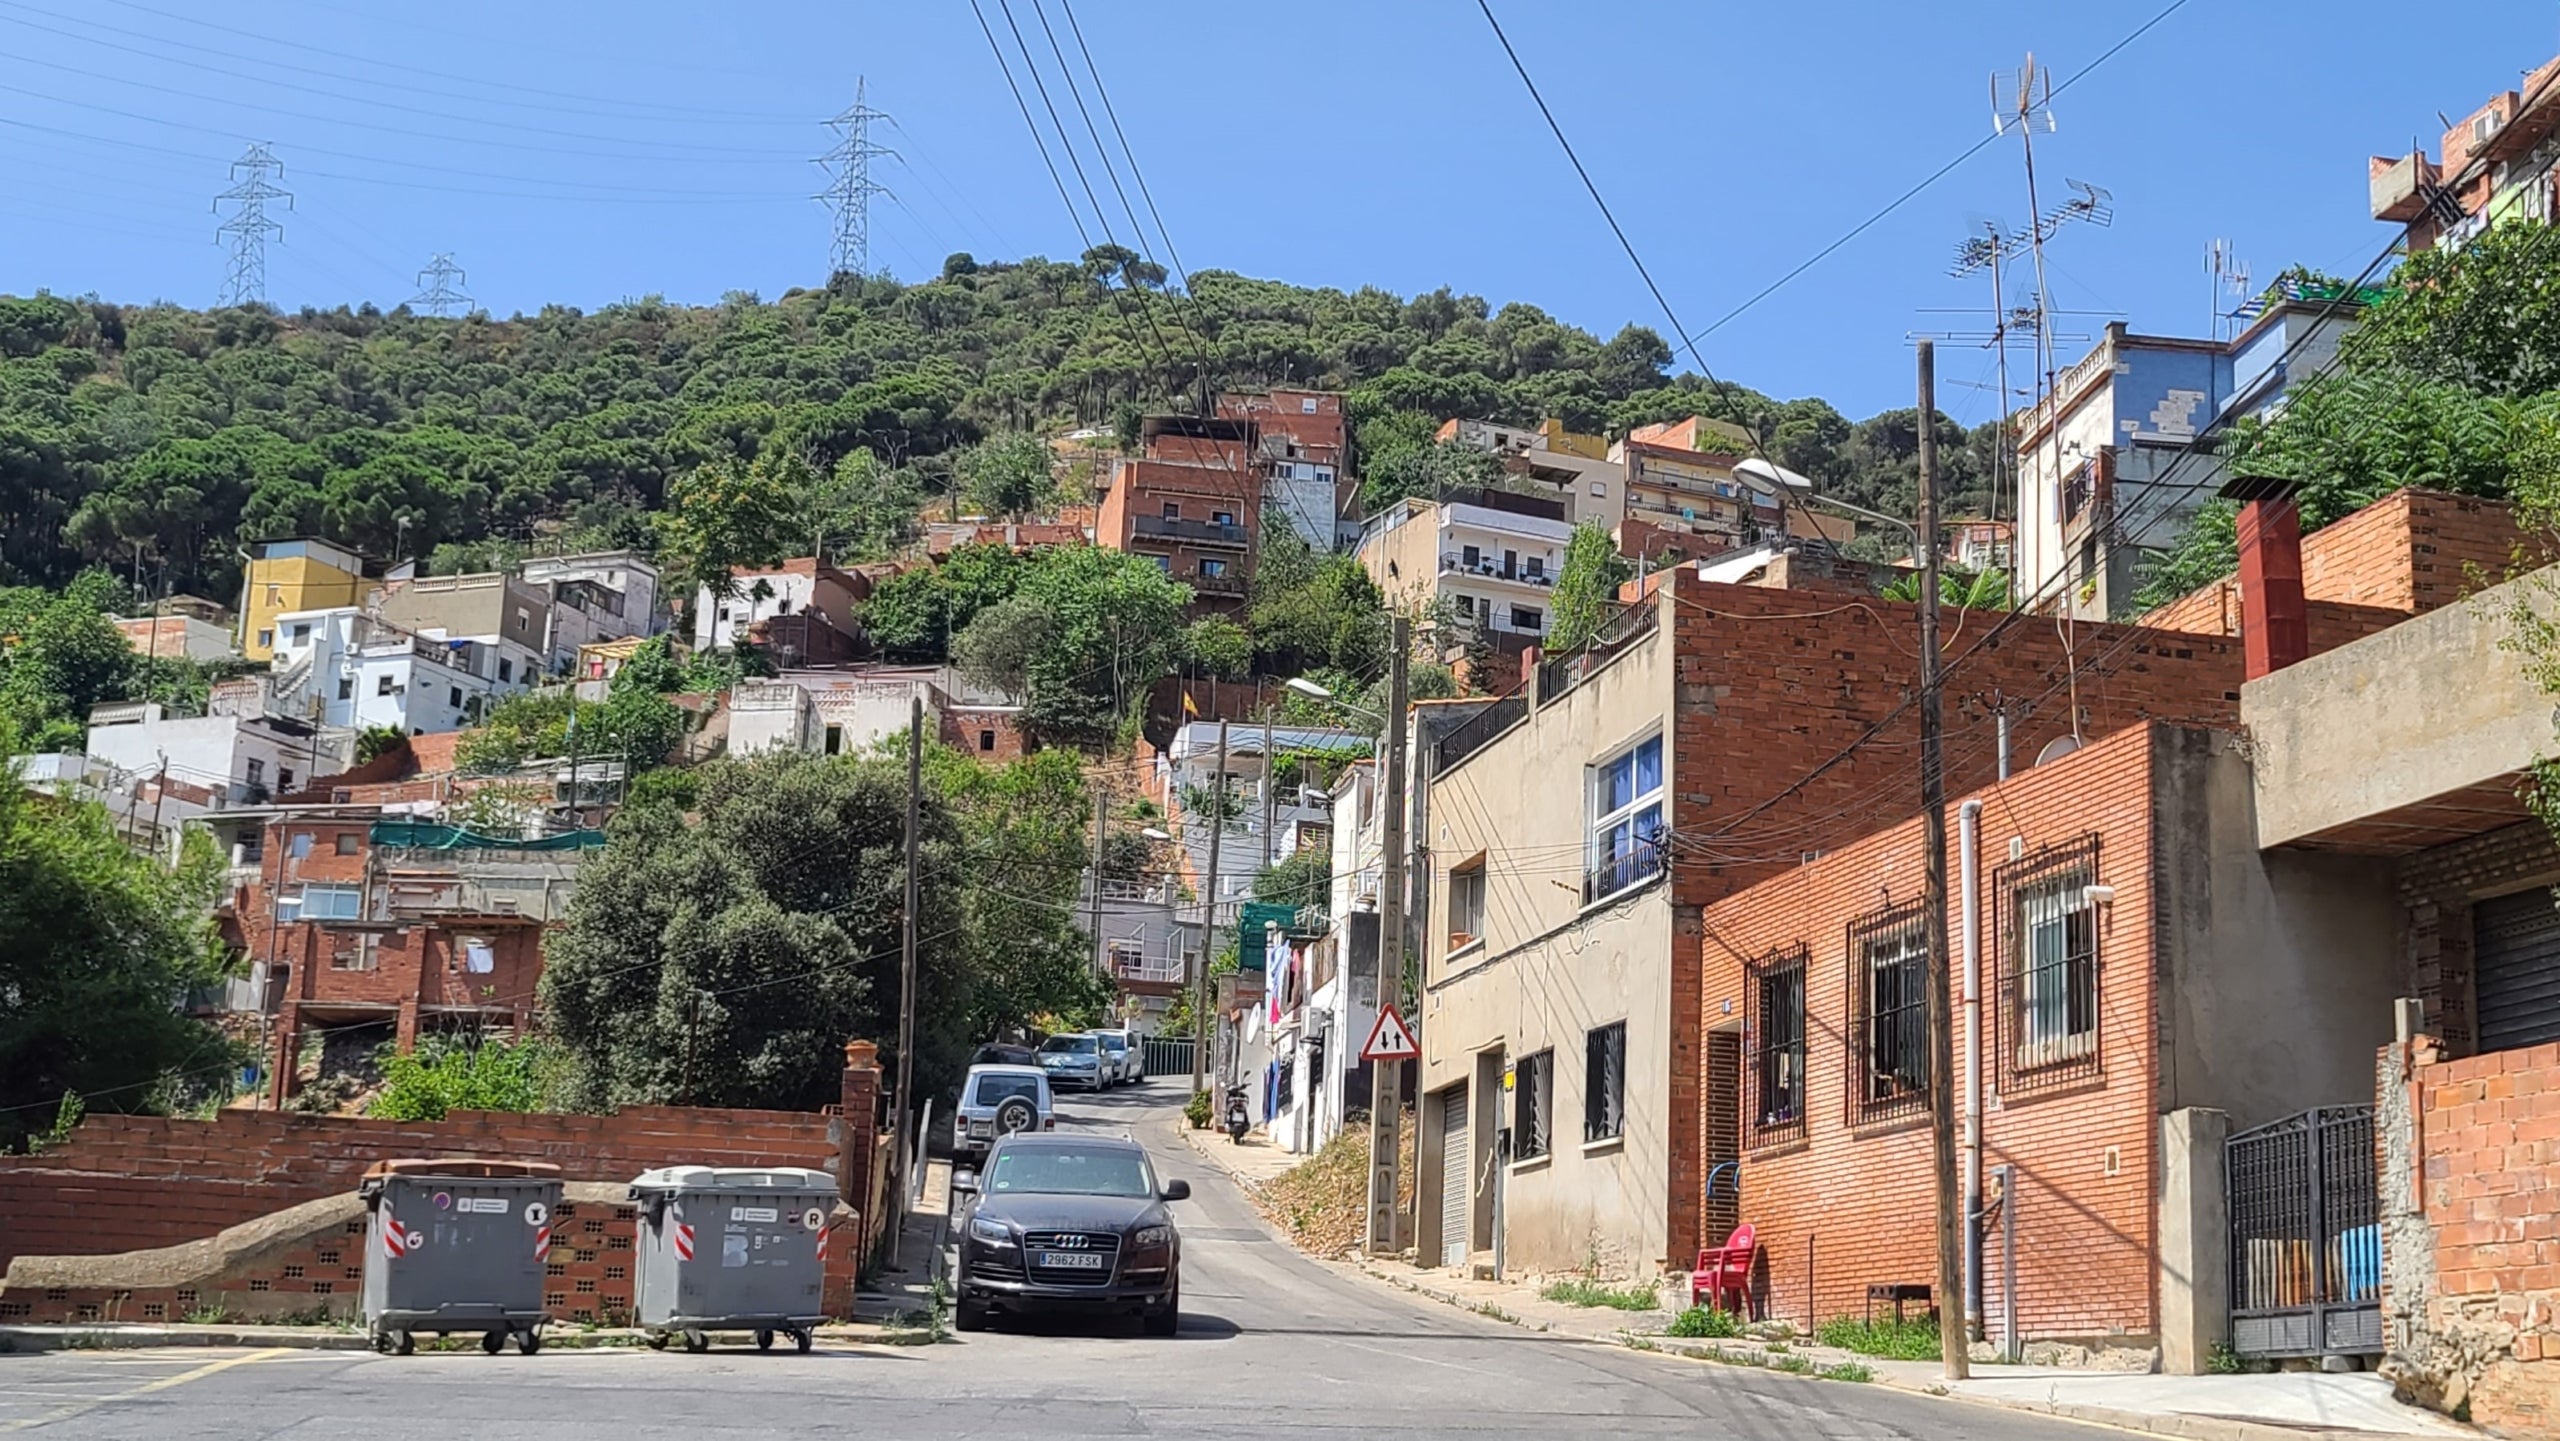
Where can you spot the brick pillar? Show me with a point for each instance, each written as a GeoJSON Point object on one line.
{"type": "Point", "coordinates": [406, 1038]}
{"type": "Point", "coordinates": [288, 1055]}
{"type": "Point", "coordinates": [858, 1134]}
{"type": "Point", "coordinates": [2275, 629]}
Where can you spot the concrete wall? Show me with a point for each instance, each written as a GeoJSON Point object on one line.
{"type": "Point", "coordinates": [2252, 934]}
{"type": "Point", "coordinates": [2374, 725]}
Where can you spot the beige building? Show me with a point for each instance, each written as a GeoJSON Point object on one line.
{"type": "Point", "coordinates": [1548, 1006]}
{"type": "Point", "coordinates": [1491, 554]}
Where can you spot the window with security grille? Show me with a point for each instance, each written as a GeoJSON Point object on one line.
{"type": "Point", "coordinates": [1533, 1106]}
{"type": "Point", "coordinates": [1774, 1041]}
{"type": "Point", "coordinates": [1888, 976]}
{"type": "Point", "coordinates": [1626, 820]}
{"type": "Point", "coordinates": [1604, 1083]}
{"type": "Point", "coordinates": [2048, 1015]}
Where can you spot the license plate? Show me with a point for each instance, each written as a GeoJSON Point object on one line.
{"type": "Point", "coordinates": [982, 1128]}
{"type": "Point", "coordinates": [1073, 1261]}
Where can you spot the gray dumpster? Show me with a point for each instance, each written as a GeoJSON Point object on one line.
{"type": "Point", "coordinates": [732, 1248]}
{"type": "Point", "coordinates": [457, 1245]}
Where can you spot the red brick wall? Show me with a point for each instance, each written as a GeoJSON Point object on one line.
{"type": "Point", "coordinates": [123, 1183]}
{"type": "Point", "coordinates": [1859, 1198]}
{"type": "Point", "coordinates": [2406, 554]}
{"type": "Point", "coordinates": [2488, 1132]}
{"type": "Point", "coordinates": [989, 735]}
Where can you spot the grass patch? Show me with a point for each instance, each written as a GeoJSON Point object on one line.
{"type": "Point", "coordinates": [1910, 1340]}
{"type": "Point", "coordinates": [1847, 1371]}
{"type": "Point", "coordinates": [1582, 1291]}
{"type": "Point", "coordinates": [1497, 1313]}
{"type": "Point", "coordinates": [1792, 1365]}
{"type": "Point", "coordinates": [1704, 1321]}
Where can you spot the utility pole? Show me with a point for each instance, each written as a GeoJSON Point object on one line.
{"type": "Point", "coordinates": [1952, 1334]}
{"type": "Point", "coordinates": [1270, 796]}
{"type": "Point", "coordinates": [1208, 928]}
{"type": "Point", "coordinates": [1386, 1078]}
{"type": "Point", "coordinates": [692, 1026]}
{"type": "Point", "coordinates": [907, 943]}
{"type": "Point", "coordinates": [1101, 818]}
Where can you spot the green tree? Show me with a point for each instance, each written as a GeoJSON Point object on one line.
{"type": "Point", "coordinates": [1968, 590]}
{"type": "Point", "coordinates": [915, 616]}
{"type": "Point", "coordinates": [1216, 646]}
{"type": "Point", "coordinates": [1008, 475]}
{"type": "Point", "coordinates": [1586, 586]}
{"type": "Point", "coordinates": [61, 654]}
{"type": "Point", "coordinates": [98, 944]}
{"type": "Point", "coordinates": [1313, 612]}
{"type": "Point", "coordinates": [443, 1075]}
{"type": "Point", "coordinates": [727, 517]}
{"type": "Point", "coordinates": [1085, 634]}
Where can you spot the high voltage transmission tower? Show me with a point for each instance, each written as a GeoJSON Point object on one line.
{"type": "Point", "coordinates": [440, 287]}
{"type": "Point", "coordinates": [248, 228]}
{"type": "Point", "coordinates": [850, 186]}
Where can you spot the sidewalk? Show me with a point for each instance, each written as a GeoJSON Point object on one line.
{"type": "Point", "coordinates": [2290, 1406]}
{"type": "Point", "coordinates": [903, 1295]}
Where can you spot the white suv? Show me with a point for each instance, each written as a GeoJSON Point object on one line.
{"type": "Point", "coordinates": [998, 1101]}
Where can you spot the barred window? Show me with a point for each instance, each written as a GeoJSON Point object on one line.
{"type": "Point", "coordinates": [2048, 1014]}
{"type": "Point", "coordinates": [1604, 1083]}
{"type": "Point", "coordinates": [1889, 977]}
{"type": "Point", "coordinates": [1533, 1106]}
{"type": "Point", "coordinates": [1774, 1039]}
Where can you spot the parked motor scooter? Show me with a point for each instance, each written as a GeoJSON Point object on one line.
{"type": "Point", "coordinates": [1238, 1121]}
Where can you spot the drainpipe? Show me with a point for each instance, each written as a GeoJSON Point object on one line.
{"type": "Point", "coordinates": [1969, 847]}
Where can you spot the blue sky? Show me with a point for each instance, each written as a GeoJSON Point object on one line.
{"type": "Point", "coordinates": [577, 152]}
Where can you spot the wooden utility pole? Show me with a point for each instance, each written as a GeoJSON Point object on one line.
{"type": "Point", "coordinates": [1208, 929]}
{"type": "Point", "coordinates": [907, 944]}
{"type": "Point", "coordinates": [1101, 819]}
{"type": "Point", "coordinates": [1386, 1078]}
{"type": "Point", "coordinates": [1270, 798]}
{"type": "Point", "coordinates": [1953, 1336]}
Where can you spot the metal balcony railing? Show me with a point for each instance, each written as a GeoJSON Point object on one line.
{"type": "Point", "coordinates": [1494, 570]}
{"type": "Point", "coordinates": [1197, 532]}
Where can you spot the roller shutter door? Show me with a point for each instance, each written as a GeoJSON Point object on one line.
{"type": "Point", "coordinates": [2516, 969]}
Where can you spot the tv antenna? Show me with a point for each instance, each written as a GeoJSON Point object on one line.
{"type": "Point", "coordinates": [245, 283]}
{"type": "Point", "coordinates": [2230, 284]}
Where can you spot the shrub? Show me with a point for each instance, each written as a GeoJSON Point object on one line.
{"type": "Point", "coordinates": [441, 1076]}
{"type": "Point", "coordinates": [1705, 1321]}
{"type": "Point", "coordinates": [1196, 1110]}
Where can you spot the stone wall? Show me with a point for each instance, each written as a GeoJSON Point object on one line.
{"type": "Point", "coordinates": [2470, 1203]}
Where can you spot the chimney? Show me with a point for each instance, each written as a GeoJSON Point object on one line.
{"type": "Point", "coordinates": [2275, 623]}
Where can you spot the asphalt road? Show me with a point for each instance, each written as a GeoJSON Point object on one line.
{"type": "Point", "coordinates": [1272, 1344]}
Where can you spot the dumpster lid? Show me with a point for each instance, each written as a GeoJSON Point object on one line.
{"type": "Point", "coordinates": [464, 1167]}
{"type": "Point", "coordinates": [733, 1178]}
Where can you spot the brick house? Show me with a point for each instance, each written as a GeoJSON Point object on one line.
{"type": "Point", "coordinates": [1563, 935]}
{"type": "Point", "coordinates": [1192, 501]}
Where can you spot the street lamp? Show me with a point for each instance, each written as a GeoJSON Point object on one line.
{"type": "Point", "coordinates": [1151, 833]}
{"type": "Point", "coordinates": [1314, 691]}
{"type": "Point", "coordinates": [1765, 478]}
{"type": "Point", "coordinates": [1306, 687]}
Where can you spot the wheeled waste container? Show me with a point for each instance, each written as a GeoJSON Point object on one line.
{"type": "Point", "coordinates": [732, 1248]}
{"type": "Point", "coordinates": [457, 1245]}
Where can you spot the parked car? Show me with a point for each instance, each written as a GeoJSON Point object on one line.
{"type": "Point", "coordinates": [999, 1101]}
{"type": "Point", "coordinates": [1069, 1222]}
{"type": "Point", "coordinates": [1128, 1058]}
{"type": "Point", "coordinates": [1003, 1053]}
{"type": "Point", "coordinates": [1076, 1059]}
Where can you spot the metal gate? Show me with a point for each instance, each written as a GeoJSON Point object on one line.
{"type": "Point", "coordinates": [1457, 1177]}
{"type": "Point", "coordinates": [2306, 1243]}
{"type": "Point", "coordinates": [1167, 1055]}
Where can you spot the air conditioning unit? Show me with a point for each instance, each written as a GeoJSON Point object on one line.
{"type": "Point", "coordinates": [2485, 126]}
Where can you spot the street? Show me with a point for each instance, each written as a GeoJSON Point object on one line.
{"type": "Point", "coordinates": [1272, 1343]}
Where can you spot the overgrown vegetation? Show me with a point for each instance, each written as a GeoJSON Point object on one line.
{"type": "Point", "coordinates": [1323, 1201]}
{"type": "Point", "coordinates": [1585, 1291]}
{"type": "Point", "coordinates": [1704, 1321]}
{"type": "Point", "coordinates": [1912, 1339]}
{"type": "Point", "coordinates": [443, 1075]}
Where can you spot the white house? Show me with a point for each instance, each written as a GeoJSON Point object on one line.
{"type": "Point", "coordinates": [239, 752]}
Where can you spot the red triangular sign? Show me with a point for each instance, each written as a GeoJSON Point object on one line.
{"type": "Point", "coordinates": [1390, 1039]}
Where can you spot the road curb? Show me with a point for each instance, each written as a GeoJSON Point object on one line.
{"type": "Point", "coordinates": [136, 1338]}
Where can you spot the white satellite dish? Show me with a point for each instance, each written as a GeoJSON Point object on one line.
{"type": "Point", "coordinates": [2056, 748]}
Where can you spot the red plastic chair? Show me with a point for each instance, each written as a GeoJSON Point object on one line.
{"type": "Point", "coordinates": [1726, 1271]}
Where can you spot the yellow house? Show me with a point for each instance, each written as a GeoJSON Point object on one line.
{"type": "Point", "coordinates": [294, 575]}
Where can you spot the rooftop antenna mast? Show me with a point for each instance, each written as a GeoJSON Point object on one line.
{"type": "Point", "coordinates": [2230, 285]}
{"type": "Point", "coordinates": [1991, 251]}
{"type": "Point", "coordinates": [850, 186]}
{"type": "Point", "coordinates": [245, 282]}
{"type": "Point", "coordinates": [2025, 107]}
{"type": "Point", "coordinates": [440, 287]}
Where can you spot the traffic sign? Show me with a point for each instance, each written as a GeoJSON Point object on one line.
{"type": "Point", "coordinates": [1391, 1039]}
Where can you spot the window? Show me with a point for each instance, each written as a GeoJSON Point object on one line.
{"type": "Point", "coordinates": [1223, 517]}
{"type": "Point", "coordinates": [479, 956]}
{"type": "Point", "coordinates": [1888, 977]}
{"type": "Point", "coordinates": [382, 685]}
{"type": "Point", "coordinates": [1533, 1086]}
{"type": "Point", "coordinates": [1600, 489]}
{"type": "Point", "coordinates": [1173, 510]}
{"type": "Point", "coordinates": [524, 620]}
{"type": "Point", "coordinates": [357, 953]}
{"type": "Point", "coordinates": [349, 843]}
{"type": "Point", "coordinates": [257, 772]}
{"type": "Point", "coordinates": [332, 903]}
{"type": "Point", "coordinates": [1466, 905]}
{"type": "Point", "coordinates": [253, 848]}
{"type": "Point", "coordinates": [986, 740]}
{"type": "Point", "coordinates": [284, 778]}
{"type": "Point", "coordinates": [835, 740]}
{"type": "Point", "coordinates": [1165, 563]}
{"type": "Point", "coordinates": [1626, 820]}
{"type": "Point", "coordinates": [455, 696]}
{"type": "Point", "coordinates": [1604, 1083]}
{"type": "Point", "coordinates": [301, 632]}
{"type": "Point", "coordinates": [1534, 567]}
{"type": "Point", "coordinates": [346, 687]}
{"type": "Point", "coordinates": [506, 669]}
{"type": "Point", "coordinates": [1528, 618]}
{"type": "Point", "coordinates": [1773, 1046]}
{"type": "Point", "coordinates": [1468, 556]}
{"type": "Point", "coordinates": [266, 639]}
{"type": "Point", "coordinates": [1307, 405]}
{"type": "Point", "coordinates": [1212, 569]}
{"type": "Point", "coordinates": [2049, 965]}
{"type": "Point", "coordinates": [299, 848]}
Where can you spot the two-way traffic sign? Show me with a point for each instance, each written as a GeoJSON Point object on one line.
{"type": "Point", "coordinates": [1391, 1039]}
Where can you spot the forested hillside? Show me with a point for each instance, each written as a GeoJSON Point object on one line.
{"type": "Point", "coordinates": [161, 435]}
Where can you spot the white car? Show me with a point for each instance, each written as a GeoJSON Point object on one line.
{"type": "Point", "coordinates": [1077, 1058]}
{"type": "Point", "coordinates": [1128, 1049]}
{"type": "Point", "coordinates": [998, 1101]}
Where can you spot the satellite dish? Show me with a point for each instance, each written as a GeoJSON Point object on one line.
{"type": "Point", "coordinates": [2056, 748]}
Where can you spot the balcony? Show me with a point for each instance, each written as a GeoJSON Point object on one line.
{"type": "Point", "coordinates": [1487, 568]}
{"type": "Point", "coordinates": [1222, 586]}
{"type": "Point", "coordinates": [1147, 970]}
{"type": "Point", "coordinates": [1190, 532]}
{"type": "Point", "coordinates": [2399, 188]}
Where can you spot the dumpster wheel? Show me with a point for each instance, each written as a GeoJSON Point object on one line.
{"type": "Point", "coordinates": [657, 1340]}
{"type": "Point", "coordinates": [805, 1339]}
{"type": "Point", "coordinates": [528, 1341]}
{"type": "Point", "coordinates": [764, 1340]}
{"type": "Point", "coordinates": [493, 1342]}
{"type": "Point", "coordinates": [695, 1342]}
